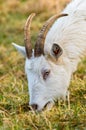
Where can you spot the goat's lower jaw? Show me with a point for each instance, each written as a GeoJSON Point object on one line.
{"type": "Point", "coordinates": [48, 105]}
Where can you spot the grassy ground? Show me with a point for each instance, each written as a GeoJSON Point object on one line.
{"type": "Point", "coordinates": [14, 111]}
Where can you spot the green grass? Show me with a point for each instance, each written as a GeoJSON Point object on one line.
{"type": "Point", "coordinates": [14, 111]}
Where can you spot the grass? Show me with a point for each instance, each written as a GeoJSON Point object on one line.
{"type": "Point", "coordinates": [14, 111]}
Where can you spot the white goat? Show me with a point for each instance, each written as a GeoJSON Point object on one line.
{"type": "Point", "coordinates": [60, 45]}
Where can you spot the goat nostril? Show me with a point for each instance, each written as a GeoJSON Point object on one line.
{"type": "Point", "coordinates": [34, 106]}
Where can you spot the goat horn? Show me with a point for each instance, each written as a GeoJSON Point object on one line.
{"type": "Point", "coordinates": [27, 38]}
{"type": "Point", "coordinates": [39, 46]}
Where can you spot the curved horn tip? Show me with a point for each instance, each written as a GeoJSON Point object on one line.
{"type": "Point", "coordinates": [32, 14]}
{"type": "Point", "coordinates": [30, 17]}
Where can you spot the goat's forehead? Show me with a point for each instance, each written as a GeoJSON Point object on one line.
{"type": "Point", "coordinates": [37, 63]}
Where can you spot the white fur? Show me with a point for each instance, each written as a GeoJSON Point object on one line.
{"type": "Point", "coordinates": [70, 33]}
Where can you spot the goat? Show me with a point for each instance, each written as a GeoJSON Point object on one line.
{"type": "Point", "coordinates": [60, 45]}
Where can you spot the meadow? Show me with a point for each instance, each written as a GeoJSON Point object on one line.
{"type": "Point", "coordinates": [15, 113]}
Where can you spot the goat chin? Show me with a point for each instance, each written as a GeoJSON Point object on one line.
{"type": "Point", "coordinates": [49, 72]}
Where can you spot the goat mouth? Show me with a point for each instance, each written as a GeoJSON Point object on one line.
{"type": "Point", "coordinates": [48, 105]}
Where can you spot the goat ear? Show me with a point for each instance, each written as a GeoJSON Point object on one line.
{"type": "Point", "coordinates": [21, 49]}
{"type": "Point", "coordinates": [56, 51]}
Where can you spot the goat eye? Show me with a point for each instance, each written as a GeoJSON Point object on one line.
{"type": "Point", "coordinates": [45, 74]}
